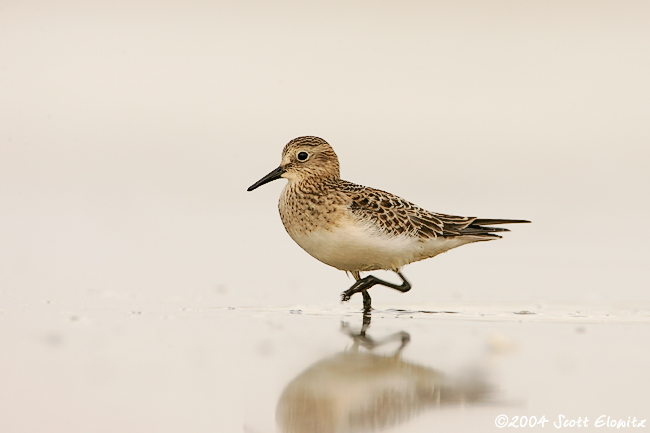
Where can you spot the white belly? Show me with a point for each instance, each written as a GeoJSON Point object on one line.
{"type": "Point", "coordinates": [353, 247]}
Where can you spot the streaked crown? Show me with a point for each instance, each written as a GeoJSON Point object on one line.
{"type": "Point", "coordinates": [308, 156]}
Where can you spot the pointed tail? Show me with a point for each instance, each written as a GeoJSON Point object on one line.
{"type": "Point", "coordinates": [489, 222]}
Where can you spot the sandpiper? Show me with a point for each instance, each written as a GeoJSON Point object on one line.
{"type": "Point", "coordinates": [357, 229]}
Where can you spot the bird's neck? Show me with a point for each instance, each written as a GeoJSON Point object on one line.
{"type": "Point", "coordinates": [317, 185]}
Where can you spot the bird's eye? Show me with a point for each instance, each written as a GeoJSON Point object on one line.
{"type": "Point", "coordinates": [302, 156]}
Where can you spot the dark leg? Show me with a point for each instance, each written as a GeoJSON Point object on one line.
{"type": "Point", "coordinates": [366, 302]}
{"type": "Point", "coordinates": [363, 284]}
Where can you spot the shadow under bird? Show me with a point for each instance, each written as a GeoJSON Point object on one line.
{"type": "Point", "coordinates": [356, 228]}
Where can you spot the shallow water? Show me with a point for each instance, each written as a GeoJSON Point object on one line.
{"type": "Point", "coordinates": [171, 368]}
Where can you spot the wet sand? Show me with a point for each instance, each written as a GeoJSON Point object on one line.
{"type": "Point", "coordinates": [170, 368]}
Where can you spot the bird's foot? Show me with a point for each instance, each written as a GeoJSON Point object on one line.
{"type": "Point", "coordinates": [367, 308]}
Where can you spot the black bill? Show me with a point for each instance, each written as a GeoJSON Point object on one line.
{"type": "Point", "coordinates": [275, 174]}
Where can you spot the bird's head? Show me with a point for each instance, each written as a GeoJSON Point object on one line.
{"type": "Point", "coordinates": [303, 158]}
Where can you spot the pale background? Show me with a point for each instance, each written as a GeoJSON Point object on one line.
{"type": "Point", "coordinates": [129, 132]}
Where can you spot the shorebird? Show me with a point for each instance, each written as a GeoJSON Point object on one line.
{"type": "Point", "coordinates": [356, 228]}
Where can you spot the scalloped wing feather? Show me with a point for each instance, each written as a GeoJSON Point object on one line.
{"type": "Point", "coordinates": [395, 216]}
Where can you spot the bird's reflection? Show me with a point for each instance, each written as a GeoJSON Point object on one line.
{"type": "Point", "coordinates": [358, 390]}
